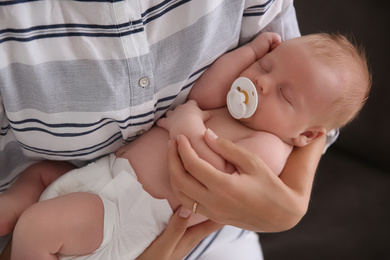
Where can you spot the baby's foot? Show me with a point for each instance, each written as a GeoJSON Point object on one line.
{"type": "Point", "coordinates": [8, 218]}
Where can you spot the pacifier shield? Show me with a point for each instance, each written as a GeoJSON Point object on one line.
{"type": "Point", "coordinates": [242, 98]}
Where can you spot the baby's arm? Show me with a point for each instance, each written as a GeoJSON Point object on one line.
{"type": "Point", "coordinates": [188, 120]}
{"type": "Point", "coordinates": [269, 148]}
{"type": "Point", "coordinates": [211, 88]}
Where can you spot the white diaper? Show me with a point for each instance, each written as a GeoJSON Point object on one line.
{"type": "Point", "coordinates": [132, 217]}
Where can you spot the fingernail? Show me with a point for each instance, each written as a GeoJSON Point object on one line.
{"type": "Point", "coordinates": [212, 134]}
{"type": "Point", "coordinates": [169, 144]}
{"type": "Point", "coordinates": [184, 212]}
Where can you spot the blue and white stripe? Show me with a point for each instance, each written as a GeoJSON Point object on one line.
{"type": "Point", "coordinates": [69, 30]}
{"type": "Point", "coordinates": [258, 10]}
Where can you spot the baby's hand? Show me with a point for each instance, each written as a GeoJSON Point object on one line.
{"type": "Point", "coordinates": [183, 118]}
{"type": "Point", "coordinates": [274, 40]}
{"type": "Point", "coordinates": [265, 43]}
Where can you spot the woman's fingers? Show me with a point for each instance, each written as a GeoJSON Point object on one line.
{"type": "Point", "coordinates": [203, 172]}
{"type": "Point", "coordinates": [194, 236]}
{"type": "Point", "coordinates": [175, 230]}
{"type": "Point", "coordinates": [186, 188]}
{"type": "Point", "coordinates": [178, 169]}
{"type": "Point", "coordinates": [244, 160]}
{"type": "Point", "coordinates": [177, 240]}
{"type": "Point", "coordinates": [194, 179]}
{"type": "Point", "coordinates": [164, 246]}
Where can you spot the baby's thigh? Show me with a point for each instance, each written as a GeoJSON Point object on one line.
{"type": "Point", "coordinates": [71, 224]}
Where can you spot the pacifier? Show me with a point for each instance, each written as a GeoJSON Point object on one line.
{"type": "Point", "coordinates": [242, 98]}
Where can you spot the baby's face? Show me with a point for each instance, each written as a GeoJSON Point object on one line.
{"type": "Point", "coordinates": [293, 88]}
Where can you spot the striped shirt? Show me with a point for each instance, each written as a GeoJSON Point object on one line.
{"type": "Point", "coordinates": [80, 78]}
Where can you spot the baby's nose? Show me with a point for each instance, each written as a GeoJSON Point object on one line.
{"type": "Point", "coordinates": [263, 86]}
{"type": "Point", "coordinates": [259, 84]}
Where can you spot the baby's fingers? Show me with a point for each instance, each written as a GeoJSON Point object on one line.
{"type": "Point", "coordinates": [206, 115]}
{"type": "Point", "coordinates": [161, 122]}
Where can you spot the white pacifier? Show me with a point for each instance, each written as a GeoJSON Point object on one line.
{"type": "Point", "coordinates": [242, 98]}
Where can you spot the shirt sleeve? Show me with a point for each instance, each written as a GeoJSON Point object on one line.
{"type": "Point", "coordinates": [331, 137]}
{"type": "Point", "coordinates": [271, 16]}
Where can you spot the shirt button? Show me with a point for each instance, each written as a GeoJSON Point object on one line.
{"type": "Point", "coordinates": [143, 82]}
{"type": "Point", "coordinates": [141, 132]}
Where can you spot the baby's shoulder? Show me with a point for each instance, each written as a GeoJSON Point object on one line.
{"type": "Point", "coordinates": [260, 140]}
{"type": "Point", "coordinates": [269, 147]}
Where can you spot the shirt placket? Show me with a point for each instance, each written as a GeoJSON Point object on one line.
{"type": "Point", "coordinates": [136, 52]}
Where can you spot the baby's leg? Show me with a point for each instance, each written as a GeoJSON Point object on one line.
{"type": "Point", "coordinates": [26, 191]}
{"type": "Point", "coordinates": [71, 225]}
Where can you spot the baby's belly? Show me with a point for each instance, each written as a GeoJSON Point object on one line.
{"type": "Point", "coordinates": [148, 157]}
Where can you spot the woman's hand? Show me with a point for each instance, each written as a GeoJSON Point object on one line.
{"type": "Point", "coordinates": [177, 240]}
{"type": "Point", "coordinates": [252, 198]}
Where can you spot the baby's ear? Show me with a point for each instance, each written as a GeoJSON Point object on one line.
{"type": "Point", "coordinates": [309, 136]}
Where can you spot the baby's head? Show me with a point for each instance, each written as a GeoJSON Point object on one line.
{"type": "Point", "coordinates": [350, 64]}
{"type": "Point", "coordinates": [308, 86]}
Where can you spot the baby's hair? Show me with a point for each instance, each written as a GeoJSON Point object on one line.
{"type": "Point", "coordinates": [350, 61]}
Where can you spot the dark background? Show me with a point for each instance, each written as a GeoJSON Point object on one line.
{"type": "Point", "coordinates": [349, 212]}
